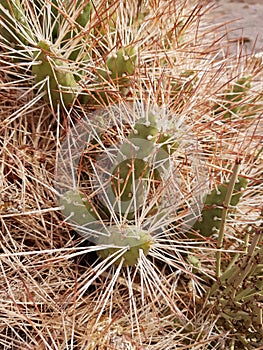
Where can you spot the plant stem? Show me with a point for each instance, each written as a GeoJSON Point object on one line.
{"type": "Point", "coordinates": [248, 263]}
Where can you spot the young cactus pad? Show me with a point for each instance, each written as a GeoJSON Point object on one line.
{"type": "Point", "coordinates": [148, 141]}
{"type": "Point", "coordinates": [211, 215]}
{"type": "Point", "coordinates": [61, 82]}
{"type": "Point", "coordinates": [122, 62]}
{"type": "Point", "coordinates": [117, 69]}
{"type": "Point", "coordinates": [140, 142]}
{"type": "Point", "coordinates": [119, 66]}
{"type": "Point", "coordinates": [168, 147]}
{"type": "Point", "coordinates": [127, 236]}
{"type": "Point", "coordinates": [76, 208]}
{"type": "Point", "coordinates": [132, 171]}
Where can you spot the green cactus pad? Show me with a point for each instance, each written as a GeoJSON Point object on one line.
{"type": "Point", "coordinates": [210, 219]}
{"type": "Point", "coordinates": [123, 62]}
{"type": "Point", "coordinates": [168, 147]}
{"type": "Point", "coordinates": [119, 66]}
{"type": "Point", "coordinates": [128, 186]}
{"type": "Point", "coordinates": [128, 236]}
{"type": "Point", "coordinates": [140, 142]}
{"type": "Point", "coordinates": [82, 20]}
{"type": "Point", "coordinates": [61, 81]}
{"type": "Point", "coordinates": [144, 131]}
{"type": "Point", "coordinates": [145, 136]}
{"type": "Point", "coordinates": [142, 167]}
{"type": "Point", "coordinates": [77, 208]}
{"type": "Point", "coordinates": [58, 18]}
{"type": "Point", "coordinates": [85, 13]}
{"type": "Point", "coordinates": [124, 175]}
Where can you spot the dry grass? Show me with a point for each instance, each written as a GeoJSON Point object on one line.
{"type": "Point", "coordinates": [55, 292]}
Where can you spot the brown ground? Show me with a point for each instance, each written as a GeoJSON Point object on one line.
{"type": "Point", "coordinates": [249, 21]}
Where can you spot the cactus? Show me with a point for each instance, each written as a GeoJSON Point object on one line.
{"type": "Point", "coordinates": [55, 17]}
{"type": "Point", "coordinates": [127, 236]}
{"type": "Point", "coordinates": [237, 293]}
{"type": "Point", "coordinates": [136, 172]}
{"type": "Point", "coordinates": [72, 18]}
{"type": "Point", "coordinates": [119, 66]}
{"type": "Point", "coordinates": [168, 147]}
{"type": "Point", "coordinates": [117, 69]}
{"type": "Point", "coordinates": [140, 141]}
{"type": "Point", "coordinates": [85, 13]}
{"type": "Point", "coordinates": [128, 186]}
{"type": "Point", "coordinates": [80, 296]}
{"type": "Point", "coordinates": [82, 20]}
{"type": "Point", "coordinates": [82, 10]}
{"type": "Point", "coordinates": [146, 141]}
{"type": "Point", "coordinates": [61, 83]}
{"type": "Point", "coordinates": [77, 209]}
{"type": "Point", "coordinates": [209, 221]}
{"type": "Point", "coordinates": [183, 87]}
{"type": "Point", "coordinates": [122, 63]}
{"type": "Point", "coordinates": [140, 171]}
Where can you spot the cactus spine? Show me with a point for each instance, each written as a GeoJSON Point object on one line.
{"type": "Point", "coordinates": [236, 94]}
{"type": "Point", "coordinates": [14, 19]}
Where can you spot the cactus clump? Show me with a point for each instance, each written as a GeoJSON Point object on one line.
{"type": "Point", "coordinates": [210, 219]}
{"type": "Point", "coordinates": [127, 236]}
{"type": "Point", "coordinates": [60, 83]}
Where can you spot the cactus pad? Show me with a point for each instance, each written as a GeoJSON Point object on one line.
{"type": "Point", "coordinates": [85, 13]}
{"type": "Point", "coordinates": [122, 62]}
{"type": "Point", "coordinates": [128, 236]}
{"type": "Point", "coordinates": [61, 82]}
{"type": "Point", "coordinates": [119, 66]}
{"type": "Point", "coordinates": [210, 219]}
{"type": "Point", "coordinates": [77, 208]}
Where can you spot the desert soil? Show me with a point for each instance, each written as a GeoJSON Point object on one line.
{"type": "Point", "coordinates": [246, 17]}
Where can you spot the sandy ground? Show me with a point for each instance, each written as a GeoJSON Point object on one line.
{"type": "Point", "coordinates": [248, 24]}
